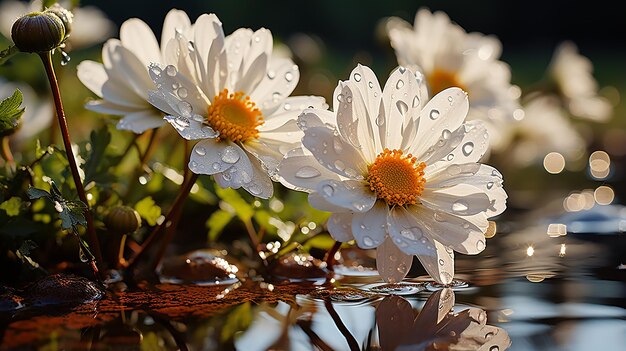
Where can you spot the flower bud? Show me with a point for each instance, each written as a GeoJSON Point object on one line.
{"type": "Point", "coordinates": [38, 32]}
{"type": "Point", "coordinates": [122, 220]}
{"type": "Point", "coordinates": [65, 15]}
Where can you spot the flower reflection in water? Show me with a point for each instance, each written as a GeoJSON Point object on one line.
{"type": "Point", "coordinates": [328, 324]}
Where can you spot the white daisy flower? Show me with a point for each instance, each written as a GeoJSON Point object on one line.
{"type": "Point", "coordinates": [233, 98]}
{"type": "Point", "coordinates": [450, 57]}
{"type": "Point", "coordinates": [122, 80]}
{"type": "Point", "coordinates": [544, 128]}
{"type": "Point", "coordinates": [573, 75]}
{"type": "Point", "coordinates": [397, 176]}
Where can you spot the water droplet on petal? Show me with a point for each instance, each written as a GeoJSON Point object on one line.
{"type": "Point", "coordinates": [380, 120]}
{"type": "Point", "coordinates": [402, 107]}
{"type": "Point", "coordinates": [328, 190]}
{"type": "Point", "coordinates": [276, 96]}
{"type": "Point", "coordinates": [357, 77]}
{"type": "Point", "coordinates": [371, 85]}
{"type": "Point", "coordinates": [441, 262]}
{"type": "Point", "coordinates": [307, 172]}
{"type": "Point", "coordinates": [185, 109]}
{"type": "Point", "coordinates": [490, 185]}
{"type": "Point", "coordinates": [182, 93]}
{"type": "Point", "coordinates": [170, 70]}
{"type": "Point", "coordinates": [200, 150]}
{"type": "Point", "coordinates": [288, 76]}
{"type": "Point", "coordinates": [340, 165]}
{"type": "Point", "coordinates": [450, 157]}
{"type": "Point", "coordinates": [494, 348]}
{"type": "Point", "coordinates": [416, 101]}
{"type": "Point", "coordinates": [271, 74]}
{"type": "Point", "coordinates": [446, 134]}
{"type": "Point", "coordinates": [367, 241]}
{"type": "Point", "coordinates": [480, 245]}
{"type": "Point", "coordinates": [434, 114]}
{"type": "Point", "coordinates": [450, 99]}
{"type": "Point", "coordinates": [216, 166]}
{"type": "Point", "coordinates": [255, 189]}
{"type": "Point", "coordinates": [460, 206]}
{"type": "Point", "coordinates": [193, 164]}
{"type": "Point", "coordinates": [399, 84]}
{"type": "Point", "coordinates": [468, 148]}
{"type": "Point", "coordinates": [230, 155]}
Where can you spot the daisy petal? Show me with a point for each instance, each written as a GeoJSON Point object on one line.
{"type": "Point", "coordinates": [254, 66]}
{"type": "Point", "coordinates": [353, 120]}
{"type": "Point", "coordinates": [290, 109]}
{"type": "Point", "coordinates": [440, 266]}
{"type": "Point", "coordinates": [211, 157]}
{"type": "Point", "coordinates": [401, 102]}
{"type": "Point", "coordinates": [320, 202]}
{"type": "Point", "coordinates": [446, 111]}
{"type": "Point", "coordinates": [261, 184]}
{"type": "Point", "coordinates": [349, 194]}
{"type": "Point", "coordinates": [303, 172]}
{"type": "Point", "coordinates": [180, 92]}
{"type": "Point", "coordinates": [369, 227]}
{"type": "Point", "coordinates": [92, 75]}
{"type": "Point", "coordinates": [392, 263]}
{"type": "Point", "coordinates": [334, 152]}
{"type": "Point", "coordinates": [139, 122]}
{"type": "Point", "coordinates": [339, 226]}
{"type": "Point", "coordinates": [176, 21]}
{"type": "Point", "coordinates": [463, 234]}
{"type": "Point", "coordinates": [471, 148]}
{"type": "Point", "coordinates": [281, 78]}
{"type": "Point", "coordinates": [137, 36]}
{"type": "Point", "coordinates": [408, 234]}
{"type": "Point", "coordinates": [460, 200]}
{"type": "Point", "coordinates": [109, 108]}
{"type": "Point", "coordinates": [209, 54]}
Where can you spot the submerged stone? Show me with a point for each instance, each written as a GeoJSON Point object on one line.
{"type": "Point", "coordinates": [61, 289]}
{"type": "Point", "coordinates": [298, 266]}
{"type": "Point", "coordinates": [198, 267]}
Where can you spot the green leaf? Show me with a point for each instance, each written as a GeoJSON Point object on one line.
{"type": "Point", "coordinates": [243, 210]}
{"type": "Point", "coordinates": [24, 253]}
{"type": "Point", "coordinates": [320, 241]}
{"type": "Point", "coordinates": [216, 223]}
{"type": "Point", "coordinates": [72, 214]}
{"type": "Point", "coordinates": [7, 53]}
{"type": "Point", "coordinates": [10, 113]}
{"type": "Point", "coordinates": [148, 210]}
{"type": "Point", "coordinates": [99, 140]}
{"type": "Point", "coordinates": [263, 219]}
{"type": "Point", "coordinates": [36, 193]}
{"type": "Point", "coordinates": [238, 319]}
{"type": "Point", "coordinates": [12, 206]}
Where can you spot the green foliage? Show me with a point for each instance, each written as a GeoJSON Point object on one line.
{"type": "Point", "coordinates": [23, 253]}
{"type": "Point", "coordinates": [320, 241]}
{"type": "Point", "coordinates": [148, 210]}
{"type": "Point", "coordinates": [98, 163]}
{"type": "Point", "coordinates": [12, 206]}
{"type": "Point", "coordinates": [216, 223]}
{"type": "Point", "coordinates": [10, 113]}
{"type": "Point", "coordinates": [7, 53]}
{"type": "Point", "coordinates": [238, 319]}
{"type": "Point", "coordinates": [70, 211]}
{"type": "Point", "coordinates": [243, 209]}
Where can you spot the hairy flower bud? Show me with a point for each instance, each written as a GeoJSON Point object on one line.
{"type": "Point", "coordinates": [38, 32]}
{"type": "Point", "coordinates": [122, 220]}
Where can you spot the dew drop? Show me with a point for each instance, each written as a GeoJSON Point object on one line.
{"type": "Point", "coordinates": [494, 348]}
{"type": "Point", "coordinates": [490, 185]}
{"type": "Point", "coordinates": [441, 262]}
{"type": "Point", "coordinates": [328, 190]}
{"type": "Point", "coordinates": [371, 85]}
{"type": "Point", "coordinates": [230, 155]}
{"type": "Point", "coordinates": [380, 120]}
{"type": "Point", "coordinates": [439, 217]}
{"type": "Point", "coordinates": [216, 166]}
{"type": "Point", "coordinates": [416, 101]}
{"type": "Point", "coordinates": [358, 206]}
{"type": "Point", "coordinates": [468, 148]}
{"type": "Point", "coordinates": [489, 335]}
{"type": "Point", "coordinates": [193, 164]}
{"type": "Point", "coordinates": [255, 189]}
{"type": "Point", "coordinates": [58, 207]}
{"type": "Point", "coordinates": [181, 123]}
{"type": "Point", "coordinates": [399, 84]}
{"type": "Point", "coordinates": [402, 106]}
{"type": "Point", "coordinates": [287, 107]}
{"type": "Point", "coordinates": [340, 97]}
{"type": "Point", "coordinates": [82, 255]}
{"type": "Point", "coordinates": [170, 70]}
{"type": "Point", "coordinates": [480, 245]}
{"type": "Point", "coordinates": [200, 150]}
{"type": "Point", "coordinates": [446, 134]}
{"type": "Point", "coordinates": [276, 96]}
{"type": "Point", "coordinates": [65, 58]}
{"type": "Point", "coordinates": [337, 145]}
{"type": "Point", "coordinates": [288, 76]}
{"type": "Point", "coordinates": [450, 99]}
{"type": "Point", "coordinates": [450, 157]}
{"type": "Point", "coordinates": [271, 74]}
{"type": "Point", "coordinates": [357, 77]}
{"type": "Point", "coordinates": [367, 241]}
{"type": "Point", "coordinates": [459, 206]}
{"type": "Point", "coordinates": [182, 93]}
{"type": "Point", "coordinates": [307, 172]}
{"type": "Point", "coordinates": [156, 70]}
{"type": "Point", "coordinates": [349, 99]}
{"type": "Point", "coordinates": [340, 165]}
{"type": "Point", "coordinates": [434, 114]}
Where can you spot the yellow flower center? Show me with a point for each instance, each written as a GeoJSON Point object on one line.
{"type": "Point", "coordinates": [398, 179]}
{"type": "Point", "coordinates": [234, 116]}
{"type": "Point", "coordinates": [441, 80]}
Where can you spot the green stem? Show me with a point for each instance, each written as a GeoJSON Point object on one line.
{"type": "Point", "coordinates": [169, 219]}
{"type": "Point", "coordinates": [254, 241]}
{"type": "Point", "coordinates": [46, 58]}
